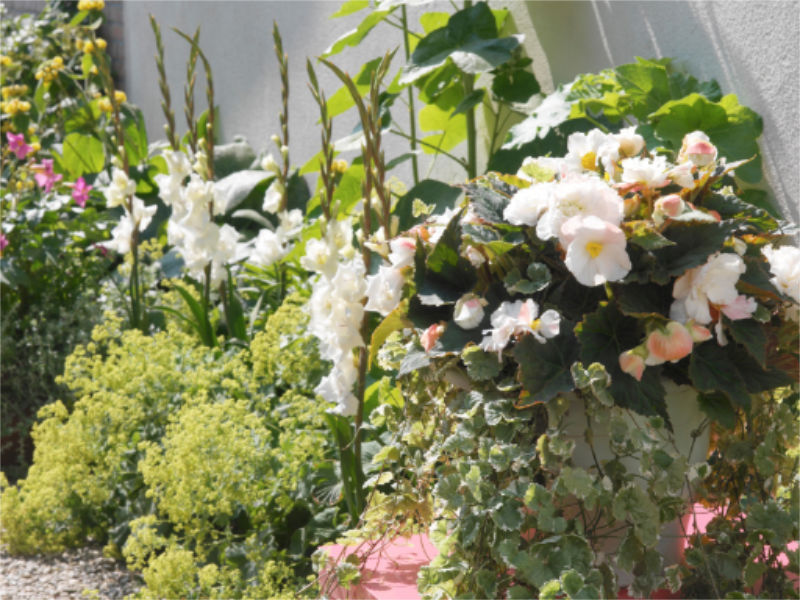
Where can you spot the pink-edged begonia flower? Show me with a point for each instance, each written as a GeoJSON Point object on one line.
{"type": "Point", "coordinates": [44, 175]}
{"type": "Point", "coordinates": [784, 264]}
{"type": "Point", "coordinates": [698, 149]}
{"type": "Point", "coordinates": [596, 250]}
{"type": "Point", "coordinates": [468, 312]}
{"type": "Point", "coordinates": [429, 338]}
{"type": "Point", "coordinates": [402, 251]}
{"type": "Point", "coordinates": [670, 344]}
{"type": "Point", "coordinates": [516, 318]}
{"type": "Point", "coordinates": [713, 283]}
{"type": "Point", "coordinates": [17, 145]}
{"type": "Point", "coordinates": [632, 363]}
{"type": "Point", "coordinates": [645, 172]}
{"type": "Point", "coordinates": [668, 206]}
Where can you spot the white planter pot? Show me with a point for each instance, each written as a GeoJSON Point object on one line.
{"type": "Point", "coordinates": [685, 415]}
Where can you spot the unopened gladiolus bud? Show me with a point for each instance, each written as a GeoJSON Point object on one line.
{"type": "Point", "coordinates": [431, 335]}
{"type": "Point", "coordinates": [339, 166]}
{"type": "Point", "coordinates": [276, 140]}
{"type": "Point", "coordinates": [468, 312]}
{"type": "Point", "coordinates": [632, 363]}
{"type": "Point", "coordinates": [268, 164]}
{"type": "Point", "coordinates": [671, 344]}
{"type": "Point", "coordinates": [284, 151]}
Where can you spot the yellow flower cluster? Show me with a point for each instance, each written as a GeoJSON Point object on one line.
{"type": "Point", "coordinates": [91, 5]}
{"type": "Point", "coordinates": [5, 61]}
{"type": "Point", "coordinates": [11, 91]}
{"type": "Point", "coordinates": [104, 103]}
{"type": "Point", "coordinates": [15, 106]}
{"type": "Point", "coordinates": [339, 166]}
{"type": "Point", "coordinates": [49, 69]}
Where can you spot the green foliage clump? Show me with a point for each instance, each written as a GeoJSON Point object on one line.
{"type": "Point", "coordinates": [200, 467]}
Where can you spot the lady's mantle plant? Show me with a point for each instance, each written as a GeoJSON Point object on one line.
{"type": "Point", "coordinates": [613, 273]}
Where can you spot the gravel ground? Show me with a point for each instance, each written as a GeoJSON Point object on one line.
{"type": "Point", "coordinates": [80, 574]}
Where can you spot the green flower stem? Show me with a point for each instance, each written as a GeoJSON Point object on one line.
{"type": "Point", "coordinates": [472, 142]}
{"type": "Point", "coordinates": [412, 117]}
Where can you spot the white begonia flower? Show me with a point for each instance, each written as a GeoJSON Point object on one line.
{"type": "Point", "coordinates": [384, 290]}
{"type": "Point", "coordinates": [320, 257]}
{"type": "Point", "coordinates": [528, 204]}
{"type": "Point", "coordinates": [595, 250]}
{"type": "Point", "coordinates": [711, 283]}
{"type": "Point", "coordinates": [515, 318]}
{"type": "Point", "coordinates": [402, 250]}
{"type": "Point", "coordinates": [120, 189]}
{"type": "Point", "coordinates": [629, 142]}
{"type": "Point", "coordinates": [784, 264]}
{"type": "Point", "coordinates": [468, 312]}
{"type": "Point", "coordinates": [587, 151]}
{"type": "Point", "coordinates": [474, 256]}
{"type": "Point", "coordinates": [579, 196]}
{"type": "Point", "coordinates": [682, 175]}
{"type": "Point", "coordinates": [267, 249]}
{"type": "Point", "coordinates": [648, 172]}
{"type": "Point", "coordinates": [272, 197]}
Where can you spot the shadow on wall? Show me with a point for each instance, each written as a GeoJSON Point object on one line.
{"type": "Point", "coordinates": [752, 49]}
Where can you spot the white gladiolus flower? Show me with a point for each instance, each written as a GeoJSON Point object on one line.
{"type": "Point", "coordinates": [290, 224]}
{"type": "Point", "coordinates": [711, 283]}
{"type": "Point", "coordinates": [120, 189]}
{"type": "Point", "coordinates": [349, 283]}
{"type": "Point", "coordinates": [272, 197]}
{"type": "Point", "coordinates": [528, 204]}
{"type": "Point", "coordinates": [384, 290]}
{"type": "Point", "coordinates": [402, 250]}
{"type": "Point", "coordinates": [170, 184]}
{"type": "Point", "coordinates": [579, 196]}
{"type": "Point", "coordinates": [596, 250]}
{"type": "Point", "coordinates": [320, 257]}
{"type": "Point", "coordinates": [784, 264]}
{"type": "Point", "coordinates": [340, 233]}
{"type": "Point", "coordinates": [267, 249]}
{"type": "Point", "coordinates": [647, 172]}
{"type": "Point", "coordinates": [468, 312]}
{"type": "Point", "coordinates": [138, 220]}
{"type": "Point", "coordinates": [337, 386]}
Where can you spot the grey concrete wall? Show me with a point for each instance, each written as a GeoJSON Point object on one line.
{"type": "Point", "coordinates": [752, 48]}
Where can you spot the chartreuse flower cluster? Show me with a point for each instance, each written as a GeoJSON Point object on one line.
{"type": "Point", "coordinates": [189, 468]}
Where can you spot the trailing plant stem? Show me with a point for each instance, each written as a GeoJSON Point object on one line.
{"type": "Point", "coordinates": [472, 142]}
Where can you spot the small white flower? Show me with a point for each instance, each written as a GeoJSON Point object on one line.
{"type": "Point", "coordinates": [595, 251]}
{"type": "Point", "coordinates": [629, 142]}
{"type": "Point", "coordinates": [120, 189]}
{"type": "Point", "coordinates": [290, 224]}
{"type": "Point", "coordinates": [698, 149]}
{"type": "Point", "coordinates": [515, 318]}
{"type": "Point", "coordinates": [682, 175]}
{"type": "Point", "coordinates": [468, 312]}
{"type": "Point", "coordinates": [384, 290]}
{"type": "Point", "coordinates": [784, 264]}
{"type": "Point", "coordinates": [587, 151]}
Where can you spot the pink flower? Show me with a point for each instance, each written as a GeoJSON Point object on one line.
{"type": "Point", "coordinates": [17, 145]}
{"type": "Point", "coordinates": [672, 344]}
{"type": "Point", "coordinates": [3, 242]}
{"type": "Point", "coordinates": [698, 332]}
{"type": "Point", "coordinates": [431, 335]}
{"type": "Point", "coordinates": [80, 191]}
{"type": "Point", "coordinates": [632, 364]}
{"type": "Point", "coordinates": [698, 149]}
{"type": "Point", "coordinates": [741, 308]}
{"type": "Point", "coordinates": [45, 178]}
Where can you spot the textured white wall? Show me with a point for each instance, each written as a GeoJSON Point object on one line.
{"type": "Point", "coordinates": [752, 48]}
